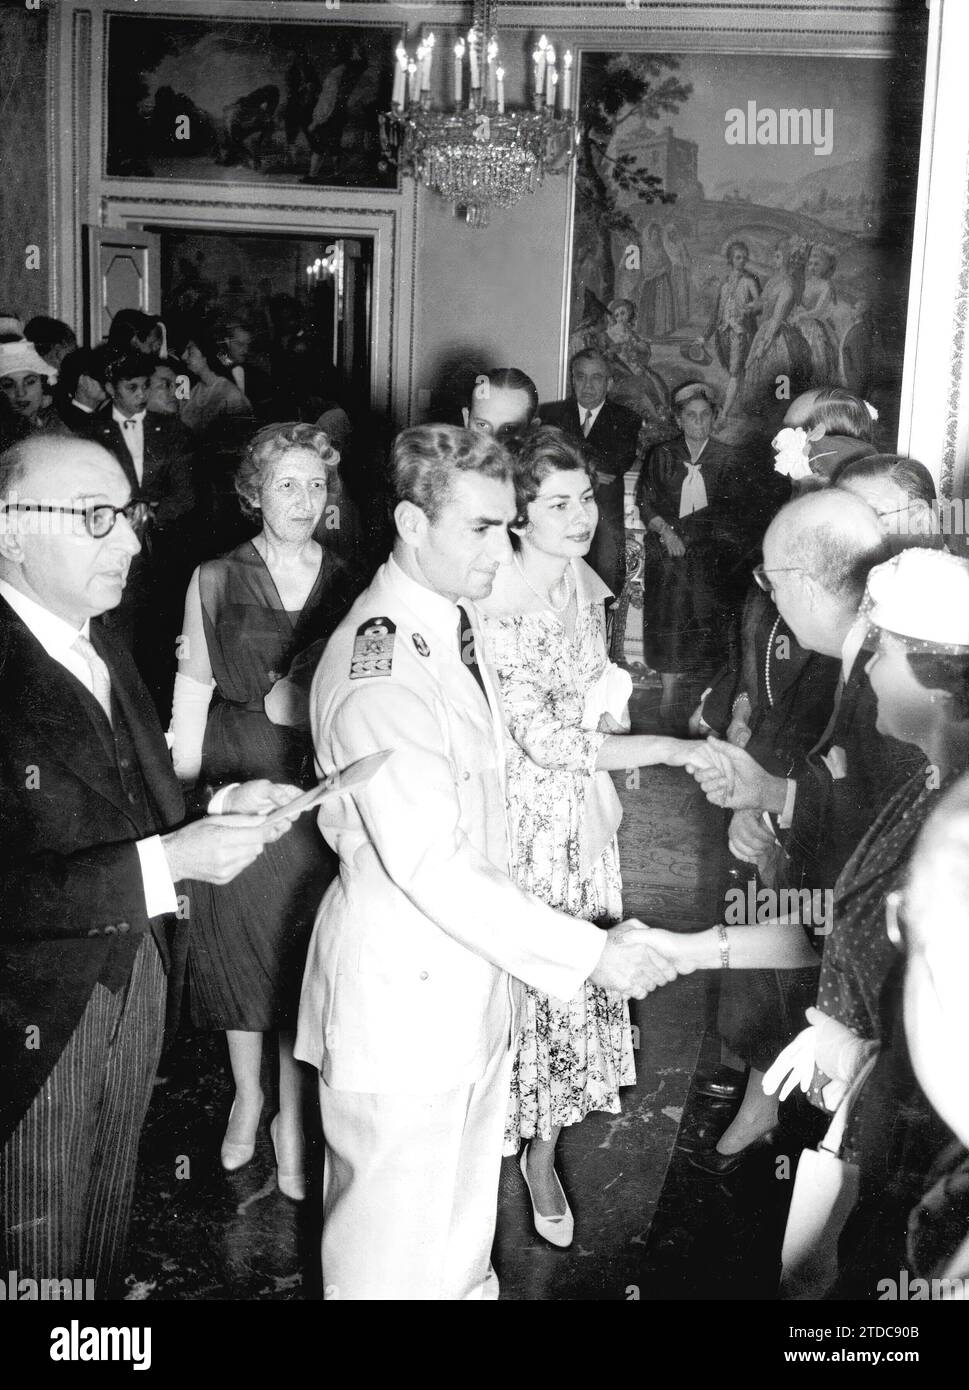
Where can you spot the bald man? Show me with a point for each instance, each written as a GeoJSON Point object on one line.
{"type": "Point", "coordinates": [91, 823]}
{"type": "Point", "coordinates": [817, 554]}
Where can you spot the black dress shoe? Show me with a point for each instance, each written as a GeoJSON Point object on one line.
{"type": "Point", "coordinates": [723, 1083]}
{"type": "Point", "coordinates": [718, 1165]}
{"type": "Point", "coordinates": [706, 1132]}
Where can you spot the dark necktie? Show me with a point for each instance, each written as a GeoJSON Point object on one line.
{"type": "Point", "coordinates": [467, 652]}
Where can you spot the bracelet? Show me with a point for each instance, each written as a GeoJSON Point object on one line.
{"type": "Point", "coordinates": [721, 931]}
{"type": "Point", "coordinates": [742, 696]}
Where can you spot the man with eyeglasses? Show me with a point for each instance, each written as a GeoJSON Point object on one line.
{"type": "Point", "coordinates": [92, 823]}
{"type": "Point", "coordinates": [817, 554]}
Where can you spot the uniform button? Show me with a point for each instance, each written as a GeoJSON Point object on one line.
{"type": "Point", "coordinates": [95, 931]}
{"type": "Point", "coordinates": [124, 926]}
{"type": "Point", "coordinates": [132, 797]}
{"type": "Point", "coordinates": [111, 930]}
{"type": "Point", "coordinates": [423, 974]}
{"type": "Point", "coordinates": [467, 776]}
{"type": "Point", "coordinates": [124, 762]}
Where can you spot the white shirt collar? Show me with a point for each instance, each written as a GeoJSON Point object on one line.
{"type": "Point", "coordinates": [433, 609]}
{"type": "Point", "coordinates": [54, 634]}
{"type": "Point", "coordinates": [851, 646]}
{"type": "Point", "coordinates": [702, 447]}
{"type": "Point", "coordinates": [138, 417]}
{"type": "Point", "coordinates": [585, 415]}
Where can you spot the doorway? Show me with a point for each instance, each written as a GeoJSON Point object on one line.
{"type": "Point", "coordinates": [307, 302]}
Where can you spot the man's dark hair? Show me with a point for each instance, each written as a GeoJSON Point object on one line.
{"type": "Point", "coordinates": [128, 365]}
{"type": "Point", "coordinates": [425, 459]}
{"type": "Point", "coordinates": [92, 362]}
{"type": "Point", "coordinates": [511, 379]}
{"type": "Point", "coordinates": [588, 354]}
{"type": "Point", "coordinates": [47, 333]}
{"type": "Point", "coordinates": [127, 325]}
{"type": "Point", "coordinates": [912, 477]}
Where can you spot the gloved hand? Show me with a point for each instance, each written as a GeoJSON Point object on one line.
{"type": "Point", "coordinates": [826, 1046]}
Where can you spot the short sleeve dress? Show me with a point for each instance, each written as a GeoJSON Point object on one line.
{"type": "Point", "coordinates": [248, 939]}
{"type": "Point", "coordinates": [573, 1056]}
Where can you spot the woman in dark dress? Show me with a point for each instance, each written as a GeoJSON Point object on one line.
{"type": "Point", "coordinates": [247, 614]}
{"type": "Point", "coordinates": [692, 494]}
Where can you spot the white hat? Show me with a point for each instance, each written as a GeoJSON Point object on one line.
{"type": "Point", "coordinates": [922, 596]}
{"type": "Point", "coordinates": [17, 359]}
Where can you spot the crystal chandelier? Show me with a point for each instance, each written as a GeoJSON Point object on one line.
{"type": "Point", "coordinates": [478, 154]}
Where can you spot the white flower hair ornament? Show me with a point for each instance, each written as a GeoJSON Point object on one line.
{"type": "Point", "coordinates": [792, 447]}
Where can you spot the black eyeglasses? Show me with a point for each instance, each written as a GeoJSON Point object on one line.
{"type": "Point", "coordinates": [100, 519]}
{"type": "Point", "coordinates": [762, 581]}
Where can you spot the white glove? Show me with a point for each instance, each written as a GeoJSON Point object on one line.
{"type": "Point", "coordinates": [190, 707]}
{"type": "Point", "coordinates": [826, 1046]}
{"type": "Point", "coordinates": [796, 1063]}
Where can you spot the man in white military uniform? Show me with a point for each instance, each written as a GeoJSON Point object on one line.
{"type": "Point", "coordinates": [409, 997]}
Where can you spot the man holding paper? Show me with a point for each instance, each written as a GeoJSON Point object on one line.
{"type": "Point", "coordinates": [94, 839]}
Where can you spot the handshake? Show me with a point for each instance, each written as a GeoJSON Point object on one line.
{"type": "Point", "coordinates": [730, 777]}
{"type": "Point", "coordinates": [637, 959]}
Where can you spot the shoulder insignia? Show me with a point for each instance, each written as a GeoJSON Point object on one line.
{"type": "Point", "coordinates": [422, 648]}
{"type": "Point", "coordinates": [373, 649]}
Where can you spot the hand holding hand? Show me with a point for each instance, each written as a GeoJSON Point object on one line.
{"type": "Point", "coordinates": [730, 777]}
{"type": "Point", "coordinates": [628, 965]}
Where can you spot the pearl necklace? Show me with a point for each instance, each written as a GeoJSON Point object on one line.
{"type": "Point", "coordinates": [770, 648]}
{"type": "Point", "coordinates": [545, 598]}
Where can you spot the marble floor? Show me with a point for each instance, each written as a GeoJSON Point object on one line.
{"type": "Point", "coordinates": [648, 1224]}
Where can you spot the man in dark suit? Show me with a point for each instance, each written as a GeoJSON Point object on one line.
{"type": "Point", "coordinates": [252, 381]}
{"type": "Point", "coordinates": [94, 842]}
{"type": "Point", "coordinates": [155, 452]}
{"type": "Point", "coordinates": [611, 433]}
{"type": "Point", "coordinates": [817, 553]}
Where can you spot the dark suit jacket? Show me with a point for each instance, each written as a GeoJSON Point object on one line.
{"type": "Point", "coordinates": [611, 441]}
{"type": "Point", "coordinates": [70, 878]}
{"type": "Point", "coordinates": [832, 814]}
{"type": "Point", "coordinates": [167, 477]}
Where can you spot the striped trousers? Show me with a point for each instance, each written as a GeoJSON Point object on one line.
{"type": "Point", "coordinates": [67, 1172]}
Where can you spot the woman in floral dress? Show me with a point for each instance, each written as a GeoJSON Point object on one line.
{"type": "Point", "coordinates": [564, 705]}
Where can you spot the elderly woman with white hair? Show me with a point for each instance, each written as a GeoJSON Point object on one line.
{"type": "Point", "coordinates": [247, 614]}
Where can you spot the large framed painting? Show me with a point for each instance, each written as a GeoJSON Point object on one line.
{"type": "Point", "coordinates": [219, 101]}
{"type": "Point", "coordinates": [745, 220]}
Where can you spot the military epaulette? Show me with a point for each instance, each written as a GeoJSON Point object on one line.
{"type": "Point", "coordinates": [373, 649]}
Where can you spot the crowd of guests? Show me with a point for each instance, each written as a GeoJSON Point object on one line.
{"type": "Point", "coordinates": [474, 897]}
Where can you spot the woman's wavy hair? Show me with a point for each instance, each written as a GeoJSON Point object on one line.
{"type": "Point", "coordinates": [544, 450]}
{"type": "Point", "coordinates": [841, 413]}
{"type": "Point", "coordinates": [268, 445]}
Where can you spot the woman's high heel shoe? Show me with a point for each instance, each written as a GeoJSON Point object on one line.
{"type": "Point", "coordinates": [719, 1165]}
{"type": "Point", "coordinates": [235, 1155]}
{"type": "Point", "coordinates": [557, 1230]}
{"type": "Point", "coordinates": [292, 1181]}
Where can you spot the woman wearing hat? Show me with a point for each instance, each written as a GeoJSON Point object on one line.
{"type": "Point", "coordinates": [25, 380]}
{"type": "Point", "coordinates": [690, 495]}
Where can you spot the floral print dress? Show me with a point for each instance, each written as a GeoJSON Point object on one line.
{"type": "Point", "coordinates": [573, 1055]}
